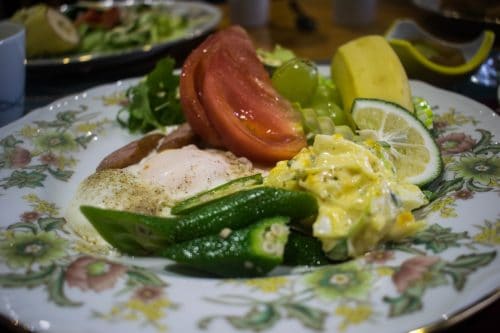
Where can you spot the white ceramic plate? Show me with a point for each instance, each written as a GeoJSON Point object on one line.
{"type": "Point", "coordinates": [52, 281]}
{"type": "Point", "coordinates": [201, 19]}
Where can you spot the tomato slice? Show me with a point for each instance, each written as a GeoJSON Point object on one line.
{"type": "Point", "coordinates": [189, 92]}
{"type": "Point", "coordinates": [105, 19]}
{"type": "Point", "coordinates": [229, 101]}
{"type": "Point", "coordinates": [192, 75]}
{"type": "Point", "coordinates": [252, 119]}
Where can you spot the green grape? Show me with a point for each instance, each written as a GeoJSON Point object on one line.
{"type": "Point", "coordinates": [325, 102]}
{"type": "Point", "coordinates": [326, 92]}
{"type": "Point", "coordinates": [296, 80]}
{"type": "Point", "coordinates": [338, 114]}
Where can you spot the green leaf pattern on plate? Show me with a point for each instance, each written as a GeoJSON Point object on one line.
{"type": "Point", "coordinates": [45, 148]}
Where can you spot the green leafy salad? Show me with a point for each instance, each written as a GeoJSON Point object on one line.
{"type": "Point", "coordinates": [77, 30]}
{"type": "Point", "coordinates": [126, 28]}
{"type": "Point", "coordinates": [154, 101]}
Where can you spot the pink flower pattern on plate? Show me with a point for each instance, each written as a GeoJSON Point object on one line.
{"type": "Point", "coordinates": [91, 273]}
{"type": "Point", "coordinates": [412, 270]}
{"type": "Point", "coordinates": [19, 157]}
{"type": "Point", "coordinates": [455, 143]}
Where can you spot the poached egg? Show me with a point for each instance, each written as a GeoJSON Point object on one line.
{"type": "Point", "coordinates": [153, 185]}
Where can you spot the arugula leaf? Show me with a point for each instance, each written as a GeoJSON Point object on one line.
{"type": "Point", "coordinates": [153, 102]}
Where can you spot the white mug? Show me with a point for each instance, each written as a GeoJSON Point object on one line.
{"type": "Point", "coordinates": [12, 71]}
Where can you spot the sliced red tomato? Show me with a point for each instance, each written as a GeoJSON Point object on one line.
{"type": "Point", "coordinates": [251, 118]}
{"type": "Point", "coordinates": [105, 19]}
{"type": "Point", "coordinates": [189, 91]}
{"type": "Point", "coordinates": [192, 75]}
{"type": "Point", "coordinates": [228, 94]}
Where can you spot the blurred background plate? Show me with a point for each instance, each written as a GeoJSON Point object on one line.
{"type": "Point", "coordinates": [201, 19]}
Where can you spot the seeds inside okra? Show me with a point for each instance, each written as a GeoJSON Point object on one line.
{"type": "Point", "coordinates": [271, 239]}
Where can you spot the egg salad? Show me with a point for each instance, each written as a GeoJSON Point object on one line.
{"type": "Point", "coordinates": [361, 199]}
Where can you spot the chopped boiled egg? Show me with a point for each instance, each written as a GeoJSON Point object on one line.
{"type": "Point", "coordinates": [361, 200]}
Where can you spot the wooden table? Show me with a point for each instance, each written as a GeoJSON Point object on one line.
{"type": "Point", "coordinates": [320, 44]}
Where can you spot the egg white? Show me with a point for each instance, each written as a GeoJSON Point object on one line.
{"type": "Point", "coordinates": [189, 170]}
{"type": "Point", "coordinates": [153, 185]}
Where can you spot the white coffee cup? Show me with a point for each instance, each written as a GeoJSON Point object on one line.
{"type": "Point", "coordinates": [12, 71]}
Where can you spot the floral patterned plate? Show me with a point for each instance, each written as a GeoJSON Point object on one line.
{"type": "Point", "coordinates": [50, 280]}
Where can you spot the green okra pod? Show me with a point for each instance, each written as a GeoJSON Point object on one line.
{"type": "Point", "coordinates": [242, 208]}
{"type": "Point", "coordinates": [138, 234]}
{"type": "Point", "coordinates": [251, 251]}
{"type": "Point", "coordinates": [185, 206]}
{"type": "Point", "coordinates": [304, 250]}
{"type": "Point", "coordinates": [131, 233]}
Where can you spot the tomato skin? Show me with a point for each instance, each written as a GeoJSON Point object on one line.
{"type": "Point", "coordinates": [190, 103]}
{"type": "Point", "coordinates": [192, 74]}
{"type": "Point", "coordinates": [228, 99]}
{"type": "Point", "coordinates": [105, 19]}
{"type": "Point", "coordinates": [248, 115]}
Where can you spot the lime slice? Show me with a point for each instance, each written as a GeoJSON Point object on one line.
{"type": "Point", "coordinates": [48, 32]}
{"type": "Point", "coordinates": [409, 144]}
